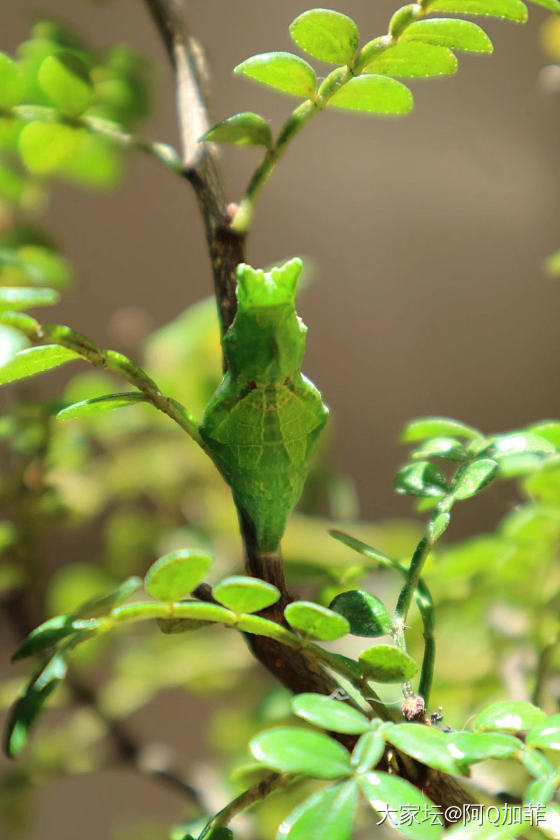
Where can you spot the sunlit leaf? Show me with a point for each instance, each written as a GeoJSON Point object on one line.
{"type": "Point", "coordinates": [511, 715]}
{"type": "Point", "coordinates": [413, 59]}
{"type": "Point", "coordinates": [479, 746]}
{"type": "Point", "coordinates": [291, 750]}
{"type": "Point", "coordinates": [426, 743]}
{"type": "Point", "coordinates": [420, 479]}
{"type": "Point", "coordinates": [509, 9]}
{"type": "Point", "coordinates": [316, 621]}
{"type": "Point", "coordinates": [175, 575]}
{"type": "Point", "coordinates": [11, 82]}
{"type": "Point", "coordinates": [45, 146]}
{"type": "Point", "coordinates": [367, 752]}
{"type": "Point", "coordinates": [471, 478]}
{"type": "Point", "coordinates": [372, 94]}
{"type": "Point", "coordinates": [245, 594]}
{"type": "Point", "coordinates": [389, 795]}
{"type": "Point", "coordinates": [282, 71]}
{"type": "Point", "coordinates": [244, 129]}
{"type": "Point", "coordinates": [386, 663]}
{"type": "Point", "coordinates": [65, 80]}
{"type": "Point", "coordinates": [99, 405]}
{"type": "Point", "coordinates": [546, 734]}
{"type": "Point", "coordinates": [326, 35]}
{"type": "Point", "coordinates": [21, 297]}
{"type": "Point", "coordinates": [330, 714]}
{"type": "Point", "coordinates": [365, 613]}
{"type": "Point", "coordinates": [35, 360]}
{"type": "Point", "coordinates": [455, 34]}
{"type": "Point", "coordinates": [429, 427]}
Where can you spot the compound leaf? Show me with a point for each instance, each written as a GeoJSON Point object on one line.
{"type": "Point", "coordinates": [282, 71]}
{"type": "Point", "coordinates": [413, 59]}
{"type": "Point", "coordinates": [446, 32]}
{"type": "Point", "coordinates": [326, 35]}
{"type": "Point", "coordinates": [508, 9]}
{"type": "Point", "coordinates": [371, 94]}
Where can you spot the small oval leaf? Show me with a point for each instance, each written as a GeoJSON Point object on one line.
{"type": "Point", "coordinates": [21, 297]}
{"type": "Point", "coordinates": [546, 734]}
{"type": "Point", "coordinates": [99, 405]}
{"type": "Point", "coordinates": [425, 743]}
{"type": "Point", "coordinates": [327, 35]}
{"type": "Point", "coordinates": [511, 715]}
{"type": "Point", "coordinates": [175, 575]}
{"type": "Point", "coordinates": [413, 59]}
{"type": "Point", "coordinates": [44, 147]}
{"type": "Point", "coordinates": [245, 594]}
{"type": "Point", "coordinates": [366, 614]}
{"type": "Point", "coordinates": [45, 636]}
{"type": "Point", "coordinates": [471, 478]}
{"type": "Point", "coordinates": [386, 663]}
{"type": "Point", "coordinates": [371, 94]}
{"type": "Point", "coordinates": [330, 714]}
{"type": "Point", "coordinates": [11, 82]}
{"type": "Point", "coordinates": [467, 747]}
{"type": "Point", "coordinates": [282, 71]}
{"type": "Point", "coordinates": [368, 752]}
{"type": "Point", "coordinates": [508, 9]}
{"type": "Point", "coordinates": [35, 360]}
{"type": "Point", "coordinates": [65, 80]}
{"type": "Point", "coordinates": [244, 129]}
{"type": "Point", "coordinates": [428, 427]}
{"type": "Point", "coordinates": [316, 622]}
{"type": "Point", "coordinates": [420, 479]}
{"type": "Point", "coordinates": [291, 750]}
{"type": "Point", "coordinates": [446, 32]}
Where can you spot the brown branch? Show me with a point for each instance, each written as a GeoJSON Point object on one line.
{"type": "Point", "coordinates": [200, 159]}
{"type": "Point", "coordinates": [299, 672]}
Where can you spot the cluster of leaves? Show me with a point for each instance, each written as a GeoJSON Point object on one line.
{"type": "Point", "coordinates": [366, 79]}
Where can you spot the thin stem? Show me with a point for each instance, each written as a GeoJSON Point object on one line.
{"type": "Point", "coordinates": [254, 794]}
{"type": "Point", "coordinates": [412, 579]}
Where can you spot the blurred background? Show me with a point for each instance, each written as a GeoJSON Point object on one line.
{"type": "Point", "coordinates": [426, 239]}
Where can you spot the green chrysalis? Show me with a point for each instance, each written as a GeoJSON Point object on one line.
{"type": "Point", "coordinates": [263, 422]}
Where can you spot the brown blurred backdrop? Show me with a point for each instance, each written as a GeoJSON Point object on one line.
{"type": "Point", "coordinates": [427, 234]}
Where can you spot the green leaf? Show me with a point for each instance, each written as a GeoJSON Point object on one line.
{"type": "Point", "coordinates": [327, 815]}
{"type": "Point", "coordinates": [479, 746]}
{"type": "Point", "coordinates": [552, 264]}
{"type": "Point", "coordinates": [22, 297]}
{"type": "Point", "coordinates": [330, 714]}
{"type": "Point", "coordinates": [515, 443]}
{"type": "Point", "coordinates": [508, 9]}
{"type": "Point", "coordinates": [35, 360]}
{"type": "Point", "coordinates": [388, 794]}
{"type": "Point", "coordinates": [440, 447]}
{"type": "Point", "coordinates": [540, 792]}
{"type": "Point", "coordinates": [45, 146]}
{"type": "Point", "coordinates": [65, 80]}
{"type": "Point", "coordinates": [29, 705]}
{"type": "Point", "coordinates": [45, 636]}
{"type": "Point", "coordinates": [366, 614]}
{"type": "Point", "coordinates": [428, 427]}
{"type": "Point", "coordinates": [282, 71]}
{"type": "Point", "coordinates": [413, 59]}
{"type": "Point", "coordinates": [425, 743]}
{"type": "Point", "coordinates": [545, 734]}
{"type": "Point", "coordinates": [511, 715]}
{"type": "Point", "coordinates": [446, 32]}
{"type": "Point", "coordinates": [316, 622]}
{"type": "Point", "coordinates": [367, 752]}
{"type": "Point", "coordinates": [549, 430]}
{"type": "Point", "coordinates": [99, 405]}
{"type": "Point", "coordinates": [373, 95]}
{"type": "Point", "coordinates": [11, 82]}
{"type": "Point", "coordinates": [536, 763]}
{"type": "Point", "coordinates": [471, 478]}
{"type": "Point", "coordinates": [245, 594]}
{"type": "Point", "coordinates": [386, 663]}
{"type": "Point", "coordinates": [291, 750]}
{"type": "Point", "coordinates": [244, 129]}
{"type": "Point", "coordinates": [175, 575]}
{"type": "Point", "coordinates": [420, 479]}
{"type": "Point", "coordinates": [326, 35]}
